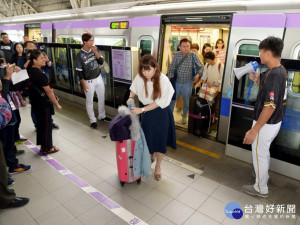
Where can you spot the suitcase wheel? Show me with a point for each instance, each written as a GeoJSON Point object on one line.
{"type": "Point", "coordinates": [139, 181]}
{"type": "Point", "coordinates": [122, 183]}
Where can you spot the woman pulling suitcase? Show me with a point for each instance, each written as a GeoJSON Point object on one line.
{"type": "Point", "coordinates": [155, 92]}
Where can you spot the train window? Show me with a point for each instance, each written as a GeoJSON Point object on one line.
{"type": "Point", "coordinates": [146, 44]}
{"type": "Point", "coordinates": [110, 41]}
{"type": "Point", "coordinates": [67, 39]}
{"type": "Point", "coordinates": [294, 77]}
{"type": "Point", "coordinates": [249, 49]}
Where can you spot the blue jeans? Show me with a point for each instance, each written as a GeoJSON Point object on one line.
{"type": "Point", "coordinates": [185, 89]}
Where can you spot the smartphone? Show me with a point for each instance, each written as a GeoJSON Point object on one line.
{"type": "Point", "coordinates": [1, 61]}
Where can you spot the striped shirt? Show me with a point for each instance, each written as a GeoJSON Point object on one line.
{"type": "Point", "coordinates": [184, 72]}
{"type": "Point", "coordinates": [221, 55]}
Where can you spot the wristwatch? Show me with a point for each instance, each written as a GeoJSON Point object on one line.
{"type": "Point", "coordinates": [143, 110]}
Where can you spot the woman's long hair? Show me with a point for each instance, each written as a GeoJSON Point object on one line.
{"type": "Point", "coordinates": [145, 62]}
{"type": "Point", "coordinates": [34, 54]}
{"type": "Point", "coordinates": [204, 47]}
{"type": "Point", "coordinates": [216, 46]}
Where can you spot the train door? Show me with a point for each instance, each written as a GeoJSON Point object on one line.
{"type": "Point", "coordinates": [200, 29]}
{"type": "Point", "coordinates": [33, 31]}
{"type": "Point", "coordinates": [246, 33]}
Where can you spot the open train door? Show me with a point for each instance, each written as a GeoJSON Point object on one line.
{"type": "Point", "coordinates": [199, 29]}
{"type": "Point", "coordinates": [237, 102]}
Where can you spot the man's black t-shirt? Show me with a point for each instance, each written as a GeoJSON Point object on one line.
{"type": "Point", "coordinates": [87, 65]}
{"type": "Point", "coordinates": [39, 80]}
{"type": "Point", "coordinates": [272, 92]}
{"type": "Point", "coordinates": [8, 51]}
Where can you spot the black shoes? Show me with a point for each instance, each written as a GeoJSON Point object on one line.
{"type": "Point", "coordinates": [55, 126]}
{"type": "Point", "coordinates": [20, 152]}
{"type": "Point", "coordinates": [106, 119]}
{"type": "Point", "coordinates": [18, 202]}
{"type": "Point", "coordinates": [94, 125]}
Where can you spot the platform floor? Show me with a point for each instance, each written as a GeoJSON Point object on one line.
{"type": "Point", "coordinates": [64, 194]}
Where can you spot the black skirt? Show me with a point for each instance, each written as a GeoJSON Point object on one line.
{"type": "Point", "coordinates": [159, 129]}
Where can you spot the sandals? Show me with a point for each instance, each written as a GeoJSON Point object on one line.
{"type": "Point", "coordinates": [51, 151]}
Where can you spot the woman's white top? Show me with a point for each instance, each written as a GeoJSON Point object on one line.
{"type": "Point", "coordinates": [167, 91]}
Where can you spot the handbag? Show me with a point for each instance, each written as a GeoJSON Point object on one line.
{"type": "Point", "coordinates": [174, 78]}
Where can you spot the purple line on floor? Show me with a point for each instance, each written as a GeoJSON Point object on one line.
{"type": "Point", "coordinates": [104, 200]}
{"type": "Point", "coordinates": [36, 150]}
{"type": "Point", "coordinates": [79, 182]}
{"type": "Point", "coordinates": [55, 164]}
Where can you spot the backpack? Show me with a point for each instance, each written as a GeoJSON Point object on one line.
{"type": "Point", "coordinates": [6, 113]}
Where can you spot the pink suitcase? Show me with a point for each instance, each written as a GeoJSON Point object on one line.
{"type": "Point", "coordinates": [124, 153]}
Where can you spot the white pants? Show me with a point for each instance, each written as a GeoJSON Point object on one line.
{"type": "Point", "coordinates": [261, 155]}
{"type": "Point", "coordinates": [98, 86]}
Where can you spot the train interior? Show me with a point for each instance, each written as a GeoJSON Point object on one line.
{"type": "Point", "coordinates": [196, 33]}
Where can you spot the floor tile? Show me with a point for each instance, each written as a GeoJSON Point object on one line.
{"type": "Point", "coordinates": [192, 198]}
{"type": "Point", "coordinates": [156, 200]}
{"type": "Point", "coordinates": [57, 216]}
{"type": "Point", "coordinates": [34, 192]}
{"type": "Point", "coordinates": [116, 221]}
{"type": "Point", "coordinates": [213, 208]}
{"type": "Point", "coordinates": [123, 200]}
{"type": "Point", "coordinates": [170, 187]}
{"type": "Point", "coordinates": [182, 176]}
{"type": "Point", "coordinates": [198, 218]}
{"type": "Point", "coordinates": [41, 206]}
{"type": "Point", "coordinates": [15, 216]}
{"type": "Point", "coordinates": [137, 191]}
{"type": "Point", "coordinates": [106, 188]}
{"type": "Point", "coordinates": [66, 193]}
{"type": "Point", "coordinates": [141, 211]}
{"type": "Point", "coordinates": [226, 194]}
{"type": "Point", "coordinates": [106, 171]}
{"type": "Point", "coordinates": [205, 185]}
{"type": "Point", "coordinates": [91, 179]}
{"type": "Point", "coordinates": [176, 212]}
{"type": "Point", "coordinates": [159, 220]}
{"type": "Point", "coordinates": [80, 204]}
{"type": "Point", "coordinates": [97, 215]}
{"type": "Point", "coordinates": [55, 182]}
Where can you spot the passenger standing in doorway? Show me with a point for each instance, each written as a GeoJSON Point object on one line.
{"type": "Point", "coordinates": [213, 75]}
{"type": "Point", "coordinates": [185, 79]}
{"type": "Point", "coordinates": [206, 48]}
{"type": "Point", "coordinates": [268, 112]}
{"type": "Point", "coordinates": [155, 91]}
{"type": "Point", "coordinates": [87, 64]}
{"type": "Point", "coordinates": [220, 51]}
{"type": "Point", "coordinates": [195, 48]}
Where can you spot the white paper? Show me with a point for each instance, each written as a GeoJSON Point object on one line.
{"type": "Point", "coordinates": [19, 76]}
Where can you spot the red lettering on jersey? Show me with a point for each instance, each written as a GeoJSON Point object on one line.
{"type": "Point", "coordinates": [272, 96]}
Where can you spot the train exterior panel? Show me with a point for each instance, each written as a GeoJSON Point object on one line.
{"type": "Point", "coordinates": [252, 21]}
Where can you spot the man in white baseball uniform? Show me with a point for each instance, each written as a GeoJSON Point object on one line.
{"type": "Point", "coordinates": [87, 64]}
{"type": "Point", "coordinates": [268, 112]}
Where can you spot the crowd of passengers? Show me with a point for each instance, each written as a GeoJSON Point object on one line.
{"type": "Point", "coordinates": [157, 98]}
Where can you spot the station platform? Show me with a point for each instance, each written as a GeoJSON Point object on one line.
{"type": "Point", "coordinates": [80, 184]}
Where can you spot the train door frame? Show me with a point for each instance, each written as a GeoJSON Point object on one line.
{"type": "Point", "coordinates": [27, 27]}
{"type": "Point", "coordinates": [197, 19]}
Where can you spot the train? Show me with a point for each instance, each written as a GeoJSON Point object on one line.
{"type": "Point", "coordinates": [139, 28]}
